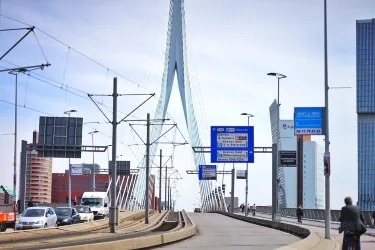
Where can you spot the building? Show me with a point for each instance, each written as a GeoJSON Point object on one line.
{"type": "Point", "coordinates": [288, 141]}
{"type": "Point", "coordinates": [313, 175]}
{"type": "Point", "coordinates": [366, 113]}
{"type": "Point", "coordinates": [37, 179]}
{"type": "Point", "coordinates": [82, 183]}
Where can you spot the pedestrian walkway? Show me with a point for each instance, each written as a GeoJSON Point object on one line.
{"type": "Point", "coordinates": [367, 241]}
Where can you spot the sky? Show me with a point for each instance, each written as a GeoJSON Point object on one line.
{"type": "Point", "coordinates": [232, 46]}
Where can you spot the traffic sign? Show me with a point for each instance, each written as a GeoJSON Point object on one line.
{"type": "Point", "coordinates": [309, 121]}
{"type": "Point", "coordinates": [241, 174]}
{"type": "Point", "coordinates": [288, 158]}
{"type": "Point", "coordinates": [232, 144]}
{"type": "Point", "coordinates": [207, 172]}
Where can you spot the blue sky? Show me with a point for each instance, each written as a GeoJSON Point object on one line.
{"type": "Point", "coordinates": [234, 45]}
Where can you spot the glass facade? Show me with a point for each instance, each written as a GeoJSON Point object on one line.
{"type": "Point", "coordinates": [366, 113]}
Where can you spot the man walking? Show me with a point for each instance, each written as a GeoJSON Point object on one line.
{"type": "Point", "coordinates": [352, 224]}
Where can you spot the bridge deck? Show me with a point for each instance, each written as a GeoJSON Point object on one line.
{"type": "Point", "coordinates": [218, 232]}
{"type": "Point", "coordinates": [367, 241]}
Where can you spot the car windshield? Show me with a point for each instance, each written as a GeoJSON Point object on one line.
{"type": "Point", "coordinates": [63, 211]}
{"type": "Point", "coordinates": [33, 212]}
{"type": "Point", "coordinates": [92, 202]}
{"type": "Point", "coordinates": [82, 209]}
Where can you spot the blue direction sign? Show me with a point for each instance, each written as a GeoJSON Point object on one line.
{"type": "Point", "coordinates": [232, 144]}
{"type": "Point", "coordinates": [207, 172]}
{"type": "Point", "coordinates": [308, 121]}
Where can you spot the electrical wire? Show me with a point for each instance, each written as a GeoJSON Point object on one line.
{"type": "Point", "coordinates": [41, 49]}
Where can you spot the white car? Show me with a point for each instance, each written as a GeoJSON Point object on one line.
{"type": "Point", "coordinates": [85, 213]}
{"type": "Point", "coordinates": [37, 217]}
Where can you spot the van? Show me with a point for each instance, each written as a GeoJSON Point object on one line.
{"type": "Point", "coordinates": [98, 202]}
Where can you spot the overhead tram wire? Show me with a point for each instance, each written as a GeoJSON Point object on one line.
{"type": "Point", "coordinates": [87, 57]}
{"type": "Point", "coordinates": [49, 114]}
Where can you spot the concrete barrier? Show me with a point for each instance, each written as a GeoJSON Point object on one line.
{"type": "Point", "coordinates": [310, 240]}
{"type": "Point", "coordinates": [141, 242]}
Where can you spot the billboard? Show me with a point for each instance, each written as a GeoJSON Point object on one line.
{"type": "Point", "coordinates": [60, 137]}
{"type": "Point", "coordinates": [207, 172]}
{"type": "Point", "coordinates": [232, 144]}
{"type": "Point", "coordinates": [241, 174]}
{"type": "Point", "coordinates": [288, 158]}
{"type": "Point", "coordinates": [308, 121]}
{"type": "Point", "coordinates": [122, 167]}
{"type": "Point", "coordinates": [76, 170]}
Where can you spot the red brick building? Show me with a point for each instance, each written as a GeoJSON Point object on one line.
{"type": "Point", "coordinates": [82, 183]}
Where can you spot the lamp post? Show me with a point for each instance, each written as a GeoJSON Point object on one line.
{"type": "Point", "coordinates": [247, 166]}
{"type": "Point", "coordinates": [278, 76]}
{"type": "Point", "coordinates": [93, 186]}
{"type": "Point", "coordinates": [68, 112]}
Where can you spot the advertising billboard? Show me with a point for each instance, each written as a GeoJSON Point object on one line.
{"type": "Point", "coordinates": [308, 120]}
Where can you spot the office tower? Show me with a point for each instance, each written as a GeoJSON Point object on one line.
{"type": "Point", "coordinates": [366, 113]}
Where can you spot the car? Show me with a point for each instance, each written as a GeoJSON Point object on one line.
{"type": "Point", "coordinates": [98, 202]}
{"type": "Point", "coordinates": [37, 217]}
{"type": "Point", "coordinates": [85, 213]}
{"type": "Point", "coordinates": [67, 216]}
{"type": "Point", "coordinates": [197, 210]}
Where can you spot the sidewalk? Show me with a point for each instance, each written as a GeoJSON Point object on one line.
{"type": "Point", "coordinates": [367, 240]}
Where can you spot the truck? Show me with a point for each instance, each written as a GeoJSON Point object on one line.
{"type": "Point", "coordinates": [7, 216]}
{"type": "Point", "coordinates": [98, 202]}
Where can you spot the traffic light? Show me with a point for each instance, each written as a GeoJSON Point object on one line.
{"type": "Point", "coordinates": [106, 185]}
{"type": "Point", "coordinates": [6, 198]}
{"type": "Point", "coordinates": [224, 189]}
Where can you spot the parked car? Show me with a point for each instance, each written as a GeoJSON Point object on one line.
{"type": "Point", "coordinates": [37, 217]}
{"type": "Point", "coordinates": [85, 213]}
{"type": "Point", "coordinates": [197, 210]}
{"type": "Point", "coordinates": [67, 216]}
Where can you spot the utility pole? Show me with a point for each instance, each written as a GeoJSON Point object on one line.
{"type": "Point", "coordinates": [232, 191]}
{"type": "Point", "coordinates": [147, 169]}
{"type": "Point", "coordinates": [112, 209]}
{"type": "Point", "coordinates": [326, 88]}
{"type": "Point", "coordinates": [15, 146]}
{"type": "Point", "coordinates": [161, 165]}
{"type": "Point", "coordinates": [169, 185]}
{"type": "Point", "coordinates": [165, 188]}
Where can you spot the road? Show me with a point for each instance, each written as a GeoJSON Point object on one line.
{"type": "Point", "coordinates": [220, 232]}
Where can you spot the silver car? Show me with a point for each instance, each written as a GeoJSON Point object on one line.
{"type": "Point", "coordinates": [37, 217]}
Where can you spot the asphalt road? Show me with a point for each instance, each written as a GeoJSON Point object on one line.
{"type": "Point", "coordinates": [220, 232]}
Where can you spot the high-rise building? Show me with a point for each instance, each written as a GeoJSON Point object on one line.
{"type": "Point", "coordinates": [313, 175]}
{"type": "Point", "coordinates": [366, 113]}
{"type": "Point", "coordinates": [38, 176]}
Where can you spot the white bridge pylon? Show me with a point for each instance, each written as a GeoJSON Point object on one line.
{"type": "Point", "coordinates": [175, 62]}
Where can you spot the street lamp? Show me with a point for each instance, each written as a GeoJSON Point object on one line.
{"type": "Point", "coordinates": [68, 112]}
{"type": "Point", "coordinates": [247, 166]}
{"type": "Point", "coordinates": [278, 76]}
{"type": "Point", "coordinates": [93, 161]}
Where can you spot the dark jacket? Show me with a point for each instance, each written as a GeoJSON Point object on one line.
{"type": "Point", "coordinates": [299, 212]}
{"type": "Point", "coordinates": [352, 221]}
{"type": "Point", "coordinates": [30, 204]}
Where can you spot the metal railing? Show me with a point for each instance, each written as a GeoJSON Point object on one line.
{"type": "Point", "coordinates": [314, 214]}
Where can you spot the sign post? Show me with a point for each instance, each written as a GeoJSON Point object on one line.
{"type": "Point", "coordinates": [241, 174]}
{"type": "Point", "coordinates": [309, 121]}
{"type": "Point", "coordinates": [207, 172]}
{"type": "Point", "coordinates": [232, 144]}
{"type": "Point", "coordinates": [288, 158]}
